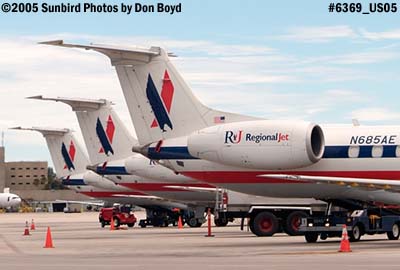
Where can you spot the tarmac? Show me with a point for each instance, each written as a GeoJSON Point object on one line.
{"type": "Point", "coordinates": [80, 243]}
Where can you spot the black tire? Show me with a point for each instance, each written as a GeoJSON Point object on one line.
{"type": "Point", "coordinates": [130, 225]}
{"type": "Point", "coordinates": [220, 222]}
{"type": "Point", "coordinates": [193, 223]}
{"type": "Point", "coordinates": [355, 233]}
{"type": "Point", "coordinates": [265, 224]}
{"type": "Point", "coordinates": [103, 223]}
{"type": "Point", "coordinates": [293, 221]}
{"type": "Point", "coordinates": [394, 233]}
{"type": "Point", "coordinates": [251, 225]}
{"type": "Point", "coordinates": [117, 223]}
{"type": "Point", "coordinates": [311, 237]}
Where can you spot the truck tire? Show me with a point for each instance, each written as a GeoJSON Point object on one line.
{"type": "Point", "coordinates": [395, 233]}
{"type": "Point", "coordinates": [117, 223]}
{"type": "Point", "coordinates": [311, 237]}
{"type": "Point", "coordinates": [293, 221]}
{"type": "Point", "coordinates": [220, 222]}
{"type": "Point", "coordinates": [103, 223]}
{"type": "Point", "coordinates": [250, 224]}
{"type": "Point", "coordinates": [130, 225]}
{"type": "Point", "coordinates": [142, 223]}
{"type": "Point", "coordinates": [193, 223]}
{"type": "Point", "coordinates": [265, 224]}
{"type": "Point", "coordinates": [355, 233]}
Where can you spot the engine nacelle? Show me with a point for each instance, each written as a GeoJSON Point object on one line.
{"type": "Point", "coordinates": [262, 144]}
{"type": "Point", "coordinates": [149, 169]}
{"type": "Point", "coordinates": [93, 179]}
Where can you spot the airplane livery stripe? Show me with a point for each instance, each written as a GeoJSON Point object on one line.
{"type": "Point", "coordinates": [66, 157]}
{"type": "Point", "coordinates": [331, 152]}
{"type": "Point", "coordinates": [101, 134]}
{"type": "Point", "coordinates": [364, 151]}
{"type": "Point", "coordinates": [157, 105]}
{"type": "Point", "coordinates": [177, 152]}
{"type": "Point", "coordinates": [73, 182]}
{"type": "Point", "coordinates": [111, 170]}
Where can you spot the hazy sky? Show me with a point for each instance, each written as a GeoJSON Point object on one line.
{"type": "Point", "coordinates": [266, 58]}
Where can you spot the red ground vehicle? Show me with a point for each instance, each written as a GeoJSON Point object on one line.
{"type": "Point", "coordinates": [121, 216]}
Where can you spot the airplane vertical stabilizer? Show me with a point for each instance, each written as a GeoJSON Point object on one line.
{"type": "Point", "coordinates": [160, 102]}
{"type": "Point", "coordinates": [106, 137]}
{"type": "Point", "coordinates": [67, 155]}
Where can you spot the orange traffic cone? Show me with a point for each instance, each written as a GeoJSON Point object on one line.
{"type": "Point", "coordinates": [33, 225]}
{"type": "Point", "coordinates": [112, 226]}
{"type": "Point", "coordinates": [26, 231]}
{"type": "Point", "coordinates": [180, 225]}
{"type": "Point", "coordinates": [49, 240]}
{"type": "Point", "coordinates": [345, 243]}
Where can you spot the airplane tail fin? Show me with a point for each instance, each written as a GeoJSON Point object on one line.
{"type": "Point", "coordinates": [6, 190]}
{"type": "Point", "coordinates": [67, 155]}
{"type": "Point", "coordinates": [160, 102]}
{"type": "Point", "coordinates": [106, 137]}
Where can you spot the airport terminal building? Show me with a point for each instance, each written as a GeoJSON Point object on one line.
{"type": "Point", "coordinates": [22, 175]}
{"type": "Point", "coordinates": [28, 179]}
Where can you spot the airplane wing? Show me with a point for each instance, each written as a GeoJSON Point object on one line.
{"type": "Point", "coordinates": [377, 184]}
{"type": "Point", "coordinates": [97, 203]}
{"type": "Point", "coordinates": [138, 196]}
{"type": "Point", "coordinates": [199, 189]}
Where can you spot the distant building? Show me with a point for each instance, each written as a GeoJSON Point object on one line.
{"type": "Point", "coordinates": [22, 175]}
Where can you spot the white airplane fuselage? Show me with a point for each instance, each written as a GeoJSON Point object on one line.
{"type": "Point", "coordinates": [357, 152]}
{"type": "Point", "coordinates": [9, 200]}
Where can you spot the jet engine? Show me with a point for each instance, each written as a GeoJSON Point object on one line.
{"type": "Point", "coordinates": [261, 144]}
{"type": "Point", "coordinates": [92, 179]}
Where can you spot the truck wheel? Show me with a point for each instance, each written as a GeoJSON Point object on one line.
{"type": "Point", "coordinates": [192, 222]}
{"type": "Point", "coordinates": [265, 224]}
{"type": "Point", "coordinates": [293, 222]}
{"type": "Point", "coordinates": [220, 222]}
{"type": "Point", "coordinates": [130, 225]}
{"type": "Point", "coordinates": [251, 225]}
{"type": "Point", "coordinates": [395, 233]}
{"type": "Point", "coordinates": [103, 223]}
{"type": "Point", "coordinates": [311, 237]}
{"type": "Point", "coordinates": [116, 222]}
{"type": "Point", "coordinates": [142, 223]}
{"type": "Point", "coordinates": [355, 233]}
{"type": "Point", "coordinates": [199, 223]}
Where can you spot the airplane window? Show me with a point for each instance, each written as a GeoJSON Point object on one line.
{"type": "Point", "coordinates": [377, 151]}
{"type": "Point", "coordinates": [354, 151]}
{"type": "Point", "coordinates": [398, 151]}
{"type": "Point", "coordinates": [8, 199]}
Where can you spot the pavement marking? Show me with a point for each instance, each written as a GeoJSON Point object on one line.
{"type": "Point", "coordinates": [10, 245]}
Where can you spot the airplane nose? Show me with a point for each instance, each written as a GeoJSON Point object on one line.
{"type": "Point", "coordinates": [17, 201]}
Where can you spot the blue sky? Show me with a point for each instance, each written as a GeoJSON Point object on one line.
{"type": "Point", "coordinates": [276, 59]}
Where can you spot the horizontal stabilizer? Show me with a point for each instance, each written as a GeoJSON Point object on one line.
{"type": "Point", "coordinates": [116, 54]}
{"type": "Point", "coordinates": [77, 104]}
{"type": "Point", "coordinates": [46, 130]}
